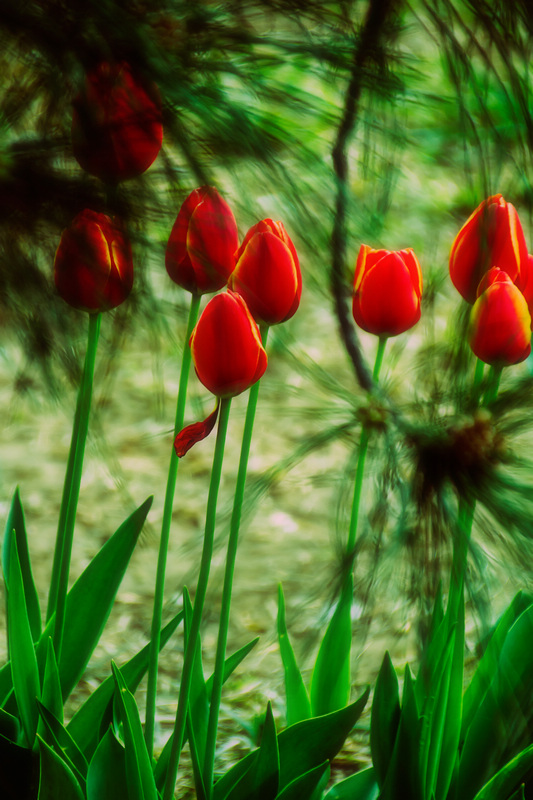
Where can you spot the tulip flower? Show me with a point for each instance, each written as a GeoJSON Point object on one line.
{"type": "Point", "coordinates": [491, 237]}
{"type": "Point", "coordinates": [387, 290]}
{"type": "Point", "coordinates": [93, 269]}
{"type": "Point", "coordinates": [200, 253]}
{"type": "Point", "coordinates": [500, 323]}
{"type": "Point", "coordinates": [267, 273]}
{"type": "Point", "coordinates": [116, 123]}
{"type": "Point", "coordinates": [526, 284]}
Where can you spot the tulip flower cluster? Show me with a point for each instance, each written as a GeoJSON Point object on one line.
{"type": "Point", "coordinates": [490, 267]}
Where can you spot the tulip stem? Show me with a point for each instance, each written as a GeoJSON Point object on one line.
{"type": "Point", "coordinates": [155, 634]}
{"type": "Point", "coordinates": [363, 447]}
{"type": "Point", "coordinates": [495, 374]}
{"type": "Point", "coordinates": [199, 599]}
{"type": "Point", "coordinates": [71, 489]}
{"type": "Point", "coordinates": [233, 540]}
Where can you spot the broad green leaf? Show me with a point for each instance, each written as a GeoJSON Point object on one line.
{"type": "Point", "coordinates": [231, 663]}
{"type": "Point", "coordinates": [9, 726]}
{"type": "Point", "coordinates": [311, 784]}
{"type": "Point", "coordinates": [85, 725]}
{"type": "Point", "coordinates": [140, 779]}
{"type": "Point", "coordinates": [361, 786]}
{"type": "Point", "coordinates": [298, 705]}
{"type": "Point", "coordinates": [486, 668]}
{"type": "Point", "coordinates": [51, 695]}
{"type": "Point", "coordinates": [90, 600]}
{"type": "Point", "coordinates": [500, 727]}
{"type": "Point", "coordinates": [385, 718]}
{"type": "Point", "coordinates": [19, 771]}
{"type": "Point", "coordinates": [106, 778]}
{"type": "Point", "coordinates": [503, 783]}
{"type": "Point", "coordinates": [56, 779]}
{"type": "Point", "coordinates": [302, 747]}
{"type": "Point", "coordinates": [24, 669]}
{"type": "Point", "coordinates": [59, 738]}
{"type": "Point", "coordinates": [330, 684]}
{"type": "Point", "coordinates": [404, 777]}
{"type": "Point", "coordinates": [16, 527]}
{"type": "Point", "coordinates": [261, 781]}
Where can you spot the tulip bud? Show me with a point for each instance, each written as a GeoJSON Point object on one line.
{"type": "Point", "coordinates": [500, 323]}
{"type": "Point", "coordinates": [267, 273]}
{"type": "Point", "coordinates": [491, 237]}
{"type": "Point", "coordinates": [116, 124]}
{"type": "Point", "coordinates": [526, 284]}
{"type": "Point", "coordinates": [387, 290]}
{"type": "Point", "coordinates": [200, 253]}
{"type": "Point", "coordinates": [93, 269]}
{"type": "Point", "coordinates": [226, 346]}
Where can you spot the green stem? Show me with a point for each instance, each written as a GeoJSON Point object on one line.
{"type": "Point", "coordinates": [155, 635]}
{"type": "Point", "coordinates": [199, 599]}
{"type": "Point", "coordinates": [478, 377]}
{"type": "Point", "coordinates": [495, 374]}
{"type": "Point", "coordinates": [71, 490]}
{"type": "Point", "coordinates": [218, 675]}
{"type": "Point", "coordinates": [363, 447]}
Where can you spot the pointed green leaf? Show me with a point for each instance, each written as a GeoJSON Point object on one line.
{"type": "Point", "coordinates": [385, 718]}
{"type": "Point", "coordinates": [9, 726]}
{"type": "Point", "coordinates": [51, 696]}
{"type": "Point", "coordinates": [24, 670]}
{"type": "Point", "coordinates": [89, 719]}
{"type": "Point", "coordinates": [106, 778]}
{"type": "Point", "coordinates": [59, 738]}
{"type": "Point", "coordinates": [311, 784]}
{"type": "Point", "coordinates": [261, 781]}
{"type": "Point", "coordinates": [298, 705]}
{"type": "Point", "coordinates": [90, 600]}
{"type": "Point", "coordinates": [16, 527]}
{"type": "Point", "coordinates": [403, 775]}
{"type": "Point", "coordinates": [302, 747]}
{"type": "Point", "coordinates": [141, 784]}
{"type": "Point", "coordinates": [361, 786]}
{"type": "Point", "coordinates": [198, 700]}
{"type": "Point", "coordinates": [56, 779]}
{"type": "Point", "coordinates": [506, 779]}
{"type": "Point", "coordinates": [330, 684]}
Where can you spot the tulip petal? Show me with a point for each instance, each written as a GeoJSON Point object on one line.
{"type": "Point", "coordinates": [195, 433]}
{"type": "Point", "coordinates": [386, 302]}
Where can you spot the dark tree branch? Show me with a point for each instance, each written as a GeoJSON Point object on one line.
{"type": "Point", "coordinates": [366, 50]}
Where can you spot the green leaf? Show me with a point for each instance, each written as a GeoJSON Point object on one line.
{"type": "Point", "coordinates": [298, 705]}
{"type": "Point", "coordinates": [60, 739]}
{"type": "Point", "coordinates": [51, 695]}
{"type": "Point", "coordinates": [24, 670]}
{"type": "Point", "coordinates": [403, 776]}
{"type": "Point", "coordinates": [302, 747]}
{"type": "Point", "coordinates": [385, 718]}
{"type": "Point", "coordinates": [330, 684]}
{"type": "Point", "coordinates": [9, 726]}
{"type": "Point", "coordinates": [56, 779]}
{"type": "Point", "coordinates": [506, 779]}
{"type": "Point", "coordinates": [85, 725]}
{"type": "Point", "coordinates": [501, 725]}
{"type": "Point", "coordinates": [106, 778]}
{"type": "Point", "coordinates": [486, 668]}
{"type": "Point", "coordinates": [231, 663]}
{"type": "Point", "coordinates": [140, 779]}
{"type": "Point", "coordinates": [16, 528]}
{"type": "Point", "coordinates": [261, 781]}
{"type": "Point", "coordinates": [198, 698]}
{"type": "Point", "coordinates": [361, 786]}
{"type": "Point", "coordinates": [311, 784]}
{"type": "Point", "coordinates": [90, 600]}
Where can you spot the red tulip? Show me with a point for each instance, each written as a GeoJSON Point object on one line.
{"type": "Point", "coordinates": [200, 253]}
{"type": "Point", "coordinates": [267, 273]}
{"type": "Point", "coordinates": [526, 284]}
{"type": "Point", "coordinates": [226, 346]}
{"type": "Point", "coordinates": [491, 237]}
{"type": "Point", "coordinates": [116, 123]}
{"type": "Point", "coordinates": [93, 269]}
{"type": "Point", "coordinates": [387, 290]}
{"type": "Point", "coordinates": [500, 323]}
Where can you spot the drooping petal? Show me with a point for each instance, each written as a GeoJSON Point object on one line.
{"type": "Point", "coordinates": [195, 433]}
